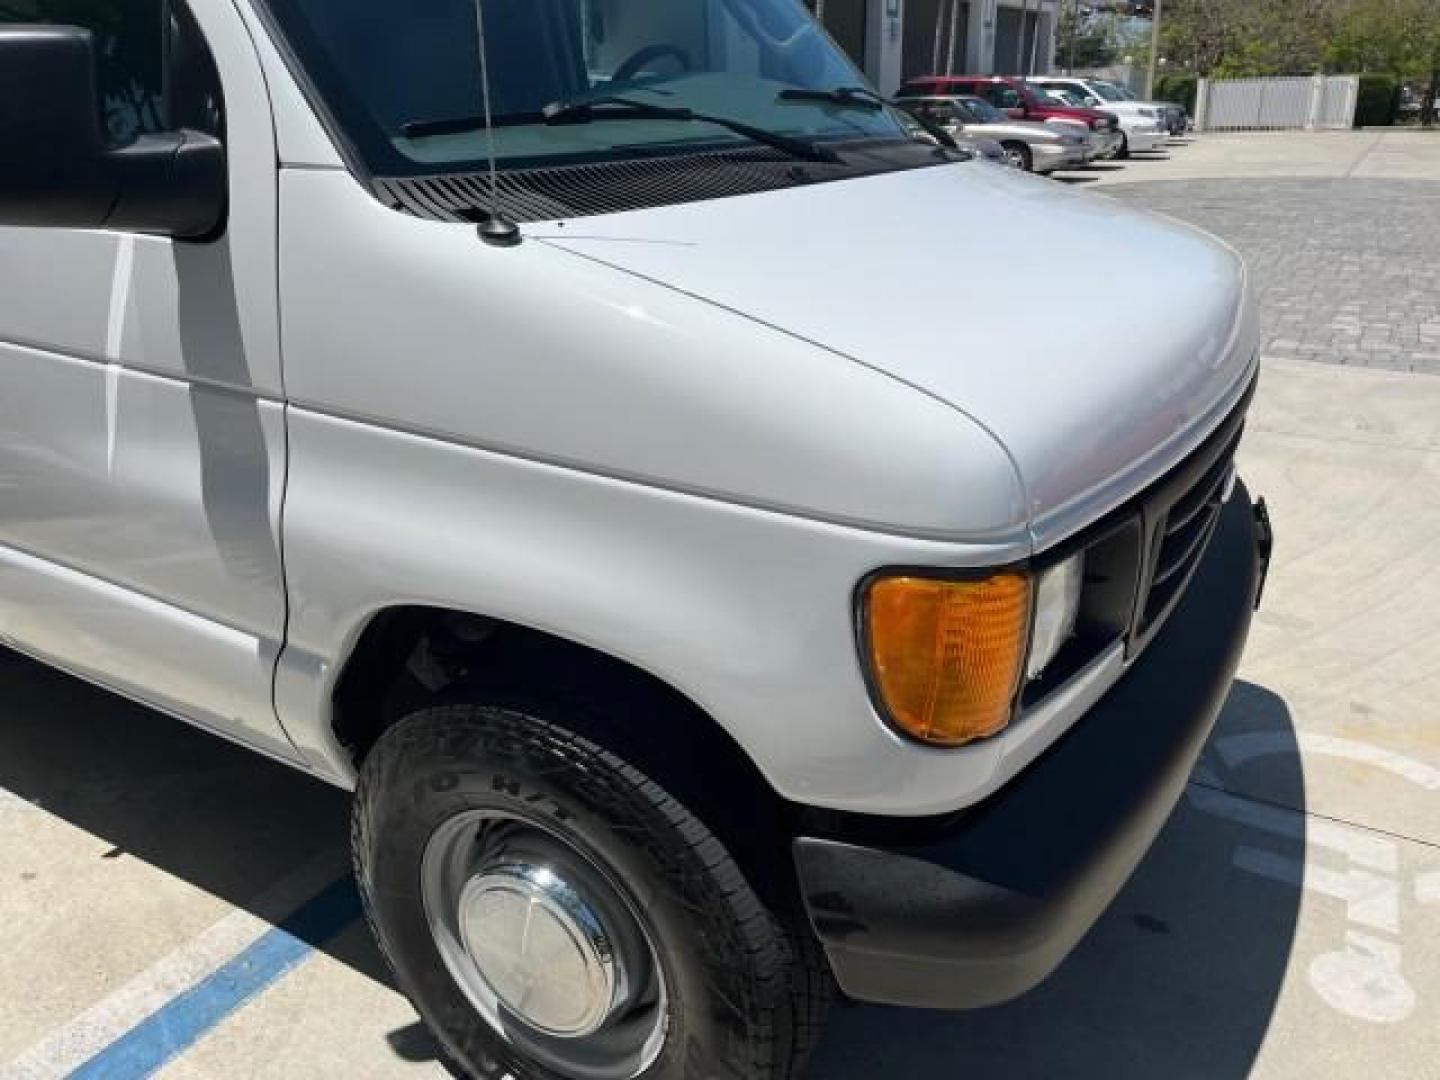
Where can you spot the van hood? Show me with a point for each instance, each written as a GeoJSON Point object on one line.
{"type": "Point", "coordinates": [1097, 344]}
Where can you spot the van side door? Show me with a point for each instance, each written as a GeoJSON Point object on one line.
{"type": "Point", "coordinates": [142, 448]}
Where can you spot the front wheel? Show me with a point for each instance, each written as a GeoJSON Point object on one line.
{"type": "Point", "coordinates": [550, 911]}
{"type": "Point", "coordinates": [1017, 155]}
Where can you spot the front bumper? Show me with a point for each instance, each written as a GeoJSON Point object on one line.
{"type": "Point", "coordinates": [1048, 157]}
{"type": "Point", "coordinates": [1143, 142]}
{"type": "Point", "coordinates": [1107, 143]}
{"type": "Point", "coordinates": [989, 908]}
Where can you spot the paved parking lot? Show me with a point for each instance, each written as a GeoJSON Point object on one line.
{"type": "Point", "coordinates": [172, 902]}
{"type": "Point", "coordinates": [1341, 230]}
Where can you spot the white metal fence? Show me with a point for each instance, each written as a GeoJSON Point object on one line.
{"type": "Point", "coordinates": [1339, 102]}
{"type": "Point", "coordinates": [1279, 104]}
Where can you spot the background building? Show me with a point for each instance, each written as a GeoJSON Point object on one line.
{"type": "Point", "coordinates": [894, 40]}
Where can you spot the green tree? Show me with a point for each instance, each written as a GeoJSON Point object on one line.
{"type": "Point", "coordinates": [1242, 37]}
{"type": "Point", "coordinates": [1200, 35]}
{"type": "Point", "coordinates": [1426, 25]}
{"type": "Point", "coordinates": [1370, 36]}
{"type": "Point", "coordinates": [1083, 42]}
{"type": "Point", "coordinates": [1293, 37]}
{"type": "Point", "coordinates": [1396, 37]}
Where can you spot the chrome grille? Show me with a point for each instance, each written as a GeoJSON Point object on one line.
{"type": "Point", "coordinates": [1186, 530]}
{"type": "Point", "coordinates": [1179, 517]}
{"type": "Point", "coordinates": [1140, 559]}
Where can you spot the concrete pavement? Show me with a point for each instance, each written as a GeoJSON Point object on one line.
{"type": "Point", "coordinates": [138, 856]}
{"type": "Point", "coordinates": [1379, 154]}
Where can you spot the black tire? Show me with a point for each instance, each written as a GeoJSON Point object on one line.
{"type": "Point", "coordinates": [747, 990]}
{"type": "Point", "coordinates": [1018, 155]}
{"type": "Point", "coordinates": [1123, 154]}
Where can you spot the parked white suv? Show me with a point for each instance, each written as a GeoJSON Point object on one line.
{"type": "Point", "coordinates": [500, 417]}
{"type": "Point", "coordinates": [1142, 122]}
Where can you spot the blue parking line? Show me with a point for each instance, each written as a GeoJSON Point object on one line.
{"type": "Point", "coordinates": [183, 1021]}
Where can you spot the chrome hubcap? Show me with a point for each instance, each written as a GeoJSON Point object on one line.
{"type": "Point", "coordinates": [544, 946]}
{"type": "Point", "coordinates": [541, 948]}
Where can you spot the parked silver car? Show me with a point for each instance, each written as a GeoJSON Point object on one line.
{"type": "Point", "coordinates": [925, 131]}
{"type": "Point", "coordinates": [1039, 148]}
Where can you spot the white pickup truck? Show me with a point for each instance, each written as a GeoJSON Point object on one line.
{"type": "Point", "coordinates": [490, 407]}
{"type": "Point", "coordinates": [1147, 125]}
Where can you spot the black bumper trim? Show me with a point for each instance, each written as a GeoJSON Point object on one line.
{"type": "Point", "coordinates": [989, 910]}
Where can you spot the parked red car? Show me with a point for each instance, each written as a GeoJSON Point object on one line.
{"type": "Point", "coordinates": [1021, 100]}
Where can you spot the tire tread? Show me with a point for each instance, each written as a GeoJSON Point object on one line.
{"type": "Point", "coordinates": [786, 983]}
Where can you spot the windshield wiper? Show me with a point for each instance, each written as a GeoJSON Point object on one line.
{"type": "Point", "coordinates": [936, 132]}
{"type": "Point", "coordinates": [860, 97]}
{"type": "Point", "coordinates": [856, 97]}
{"type": "Point", "coordinates": [619, 108]}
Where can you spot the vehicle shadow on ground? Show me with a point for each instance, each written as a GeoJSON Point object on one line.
{"type": "Point", "coordinates": [213, 814]}
{"type": "Point", "coordinates": [220, 817]}
{"type": "Point", "coordinates": [1178, 979]}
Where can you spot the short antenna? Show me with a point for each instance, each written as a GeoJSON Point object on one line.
{"type": "Point", "coordinates": [497, 228]}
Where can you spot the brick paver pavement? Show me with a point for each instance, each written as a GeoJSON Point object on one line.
{"type": "Point", "coordinates": [1348, 270]}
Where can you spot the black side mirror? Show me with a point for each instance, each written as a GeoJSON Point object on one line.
{"type": "Point", "coordinates": [55, 167]}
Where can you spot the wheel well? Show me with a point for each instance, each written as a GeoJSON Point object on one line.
{"type": "Point", "coordinates": [408, 658]}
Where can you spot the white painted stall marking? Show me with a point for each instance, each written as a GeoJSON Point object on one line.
{"type": "Point", "coordinates": [1365, 979]}
{"type": "Point", "coordinates": [1236, 750]}
{"type": "Point", "coordinates": [87, 1034]}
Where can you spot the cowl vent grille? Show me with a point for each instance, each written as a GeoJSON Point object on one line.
{"type": "Point", "coordinates": [571, 191]}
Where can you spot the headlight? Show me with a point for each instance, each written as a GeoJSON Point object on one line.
{"type": "Point", "coordinates": [1057, 605]}
{"type": "Point", "coordinates": [947, 657]}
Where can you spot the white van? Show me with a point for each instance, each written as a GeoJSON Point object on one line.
{"type": "Point", "coordinates": [510, 410]}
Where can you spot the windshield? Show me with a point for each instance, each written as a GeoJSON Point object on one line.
{"type": "Point", "coordinates": [403, 83]}
{"type": "Point", "coordinates": [983, 112]}
{"type": "Point", "coordinates": [1109, 92]}
{"type": "Point", "coordinates": [1046, 97]}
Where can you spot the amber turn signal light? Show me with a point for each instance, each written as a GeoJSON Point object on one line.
{"type": "Point", "coordinates": [947, 656]}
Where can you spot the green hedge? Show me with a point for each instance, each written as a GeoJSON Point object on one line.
{"type": "Point", "coordinates": [1177, 88]}
{"type": "Point", "coordinates": [1379, 102]}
